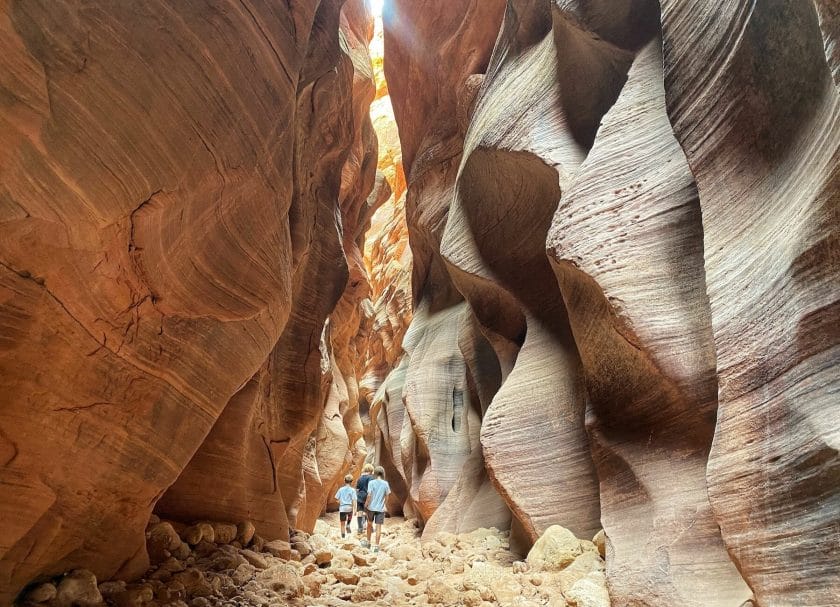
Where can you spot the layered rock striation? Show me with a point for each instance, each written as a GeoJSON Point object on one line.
{"type": "Point", "coordinates": [600, 291]}
{"type": "Point", "coordinates": [641, 224]}
{"type": "Point", "coordinates": [428, 411]}
{"type": "Point", "coordinates": [761, 133]}
{"type": "Point", "coordinates": [185, 190]}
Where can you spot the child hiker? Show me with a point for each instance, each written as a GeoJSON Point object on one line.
{"type": "Point", "coordinates": [377, 490]}
{"type": "Point", "coordinates": [361, 492]}
{"type": "Point", "coordinates": [346, 497]}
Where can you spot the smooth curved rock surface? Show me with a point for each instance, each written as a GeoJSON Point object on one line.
{"type": "Point", "coordinates": [432, 97]}
{"type": "Point", "coordinates": [761, 132]}
{"type": "Point", "coordinates": [699, 314]}
{"type": "Point", "coordinates": [433, 59]}
{"type": "Point", "coordinates": [156, 237]}
{"type": "Point", "coordinates": [622, 281]}
{"type": "Point", "coordinates": [304, 386]}
{"type": "Point", "coordinates": [626, 244]}
{"type": "Point", "coordinates": [519, 153]}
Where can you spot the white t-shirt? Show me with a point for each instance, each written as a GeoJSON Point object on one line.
{"type": "Point", "coordinates": [378, 490]}
{"type": "Point", "coordinates": [346, 495]}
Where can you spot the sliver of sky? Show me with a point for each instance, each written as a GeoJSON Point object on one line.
{"type": "Point", "coordinates": [376, 7]}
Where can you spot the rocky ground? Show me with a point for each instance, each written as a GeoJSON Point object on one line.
{"type": "Point", "coordinates": [219, 564]}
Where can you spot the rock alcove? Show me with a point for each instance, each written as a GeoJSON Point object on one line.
{"type": "Point", "coordinates": [571, 273]}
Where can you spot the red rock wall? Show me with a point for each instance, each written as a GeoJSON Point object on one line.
{"type": "Point", "coordinates": [429, 413]}
{"type": "Point", "coordinates": [623, 223]}
{"type": "Point", "coordinates": [182, 188]}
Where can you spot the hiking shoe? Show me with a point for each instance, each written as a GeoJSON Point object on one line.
{"type": "Point", "coordinates": [365, 544]}
{"type": "Point", "coordinates": [375, 549]}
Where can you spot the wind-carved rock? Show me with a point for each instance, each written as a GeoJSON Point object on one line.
{"type": "Point", "coordinates": [388, 313]}
{"type": "Point", "coordinates": [671, 313]}
{"type": "Point", "coordinates": [471, 499]}
{"type": "Point", "coordinates": [428, 415]}
{"type": "Point", "coordinates": [528, 134]}
{"type": "Point", "coordinates": [164, 213]}
{"type": "Point", "coordinates": [445, 419]}
{"type": "Point", "coordinates": [761, 132]}
{"type": "Point", "coordinates": [190, 318]}
{"type": "Point", "coordinates": [388, 417]}
{"type": "Point", "coordinates": [388, 261]}
{"type": "Point", "coordinates": [339, 444]}
{"type": "Point", "coordinates": [303, 382]}
{"type": "Point", "coordinates": [627, 247]}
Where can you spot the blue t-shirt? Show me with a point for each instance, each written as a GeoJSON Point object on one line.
{"type": "Point", "coordinates": [346, 495]}
{"type": "Point", "coordinates": [362, 485]}
{"type": "Point", "coordinates": [378, 490]}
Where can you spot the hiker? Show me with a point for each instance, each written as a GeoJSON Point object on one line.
{"type": "Point", "coordinates": [377, 490]}
{"type": "Point", "coordinates": [346, 497]}
{"type": "Point", "coordinates": [361, 491]}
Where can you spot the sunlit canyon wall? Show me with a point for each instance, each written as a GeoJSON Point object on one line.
{"type": "Point", "coordinates": [624, 220]}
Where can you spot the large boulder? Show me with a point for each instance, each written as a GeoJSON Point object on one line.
{"type": "Point", "coordinates": [369, 589]}
{"type": "Point", "coordinates": [556, 549]}
{"type": "Point", "coordinates": [282, 578]}
{"type": "Point", "coordinates": [589, 591]}
{"type": "Point", "coordinates": [78, 589]}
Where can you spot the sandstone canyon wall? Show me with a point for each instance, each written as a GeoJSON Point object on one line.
{"type": "Point", "coordinates": [184, 192]}
{"type": "Point", "coordinates": [629, 213]}
{"type": "Point", "coordinates": [767, 167]}
{"type": "Point", "coordinates": [600, 291]}
{"type": "Point", "coordinates": [428, 412]}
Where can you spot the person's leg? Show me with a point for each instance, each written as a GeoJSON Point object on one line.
{"type": "Point", "coordinates": [360, 518]}
{"type": "Point", "coordinates": [341, 523]}
{"type": "Point", "coordinates": [369, 527]}
{"type": "Point", "coordinates": [380, 520]}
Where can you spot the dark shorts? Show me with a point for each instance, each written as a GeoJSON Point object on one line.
{"type": "Point", "coordinates": [345, 516]}
{"type": "Point", "coordinates": [360, 507]}
{"type": "Point", "coordinates": [376, 517]}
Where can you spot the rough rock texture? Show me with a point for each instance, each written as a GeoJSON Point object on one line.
{"type": "Point", "coordinates": [163, 213]}
{"type": "Point", "coordinates": [463, 569]}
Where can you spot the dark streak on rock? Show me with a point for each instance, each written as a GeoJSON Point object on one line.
{"type": "Point", "coordinates": [88, 406]}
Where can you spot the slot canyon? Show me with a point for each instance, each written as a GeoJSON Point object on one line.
{"type": "Point", "coordinates": [568, 271]}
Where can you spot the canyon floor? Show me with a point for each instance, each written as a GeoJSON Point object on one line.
{"type": "Point", "coordinates": [476, 569]}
